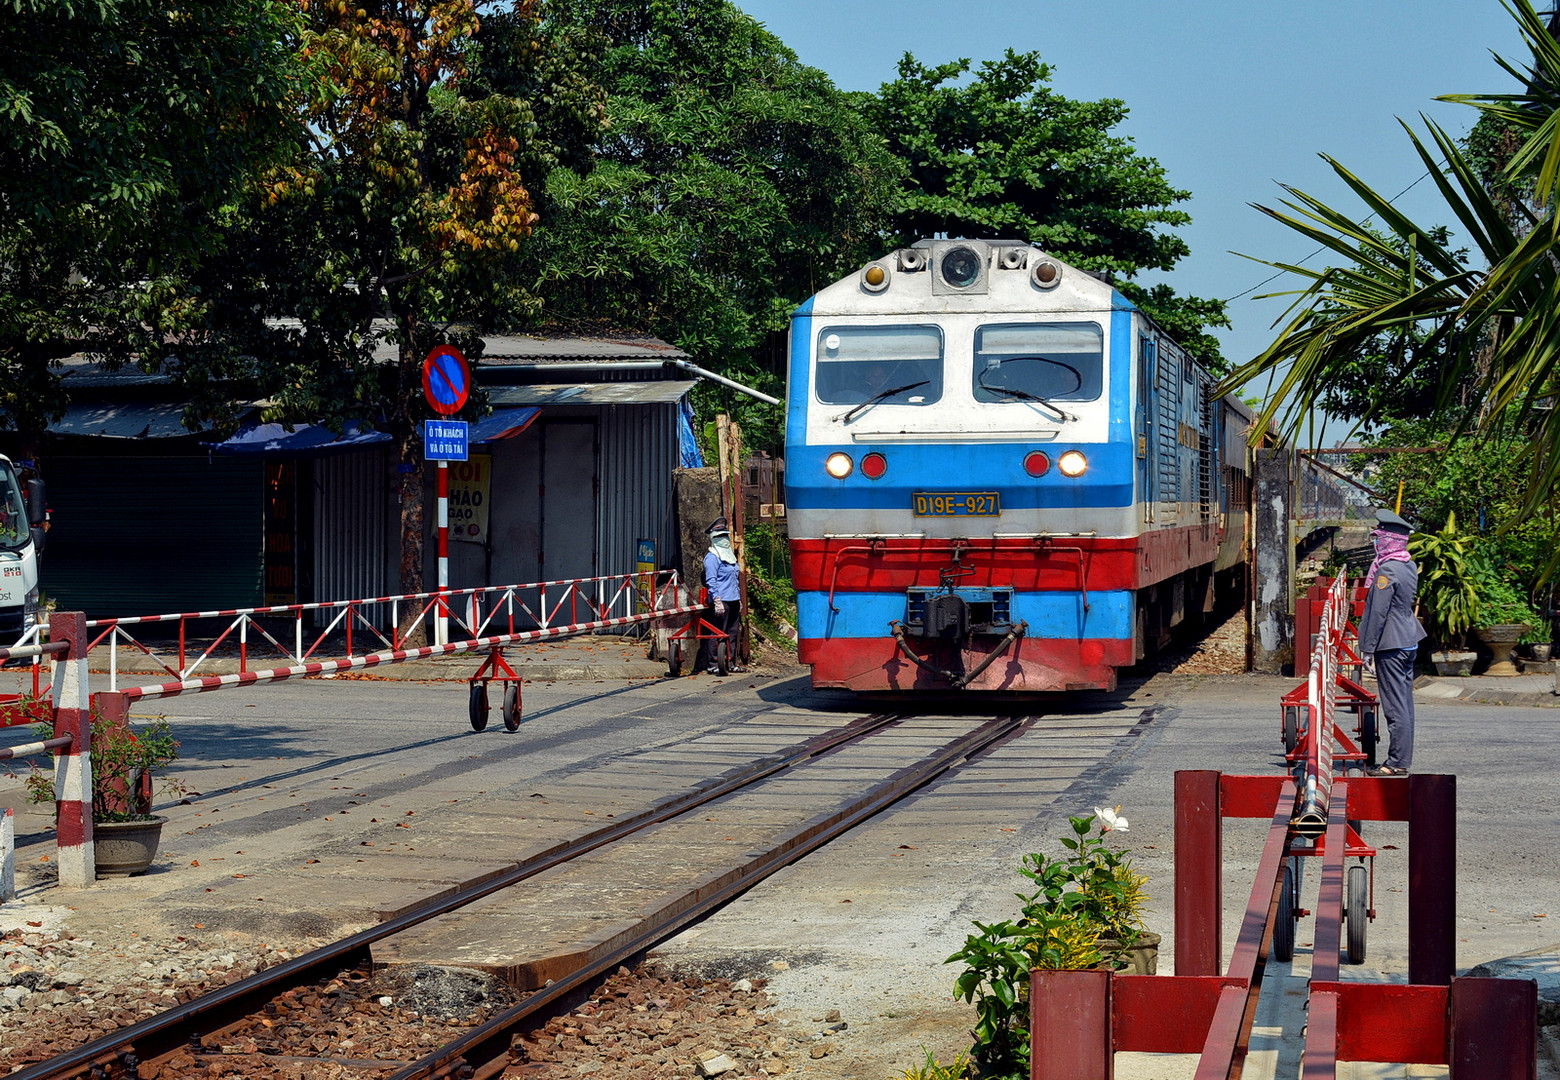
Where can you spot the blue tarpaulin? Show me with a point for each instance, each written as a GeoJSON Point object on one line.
{"type": "Point", "coordinates": [304, 440]}
{"type": "Point", "coordinates": [687, 445]}
{"type": "Point", "coordinates": [503, 424]}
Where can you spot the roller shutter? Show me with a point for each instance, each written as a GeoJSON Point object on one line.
{"type": "Point", "coordinates": [149, 535]}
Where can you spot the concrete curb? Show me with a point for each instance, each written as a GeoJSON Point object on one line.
{"type": "Point", "coordinates": [1434, 688]}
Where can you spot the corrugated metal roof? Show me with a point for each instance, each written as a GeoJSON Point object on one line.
{"type": "Point", "coordinates": [529, 349]}
{"type": "Point", "coordinates": [123, 420]}
{"type": "Point", "coordinates": [618, 393]}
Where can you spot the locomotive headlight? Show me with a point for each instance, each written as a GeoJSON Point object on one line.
{"type": "Point", "coordinates": [1072, 463]}
{"type": "Point", "coordinates": [875, 278]}
{"type": "Point", "coordinates": [839, 465]}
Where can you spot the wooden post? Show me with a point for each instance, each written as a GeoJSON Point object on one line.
{"type": "Point", "coordinates": [739, 538]}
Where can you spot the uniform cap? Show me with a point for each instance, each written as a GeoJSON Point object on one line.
{"type": "Point", "coordinates": [718, 526]}
{"type": "Point", "coordinates": [1390, 522]}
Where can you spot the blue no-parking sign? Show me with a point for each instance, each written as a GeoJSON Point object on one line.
{"type": "Point", "coordinates": [446, 381]}
{"type": "Point", "coordinates": [445, 440]}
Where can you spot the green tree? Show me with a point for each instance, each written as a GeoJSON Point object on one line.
{"type": "Point", "coordinates": [127, 126]}
{"type": "Point", "coordinates": [1490, 322]}
{"type": "Point", "coordinates": [731, 182]}
{"type": "Point", "coordinates": [397, 225]}
{"type": "Point", "coordinates": [1002, 154]}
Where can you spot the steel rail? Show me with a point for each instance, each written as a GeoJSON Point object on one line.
{"type": "Point", "coordinates": [485, 1050]}
{"type": "Point", "coordinates": [168, 1031]}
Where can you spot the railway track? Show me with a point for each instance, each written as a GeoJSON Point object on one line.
{"type": "Point", "coordinates": [769, 814]}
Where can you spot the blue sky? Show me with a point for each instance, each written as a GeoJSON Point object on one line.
{"type": "Point", "coordinates": [1233, 97]}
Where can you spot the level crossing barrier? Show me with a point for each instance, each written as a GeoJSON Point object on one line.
{"type": "Point", "coordinates": [1483, 1029]}
{"type": "Point", "coordinates": [557, 609]}
{"type": "Point", "coordinates": [546, 609]}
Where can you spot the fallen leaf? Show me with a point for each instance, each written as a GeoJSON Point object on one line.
{"type": "Point", "coordinates": [194, 862]}
{"type": "Point", "coordinates": [906, 847]}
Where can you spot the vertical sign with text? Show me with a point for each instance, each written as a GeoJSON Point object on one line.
{"type": "Point", "coordinates": [471, 488]}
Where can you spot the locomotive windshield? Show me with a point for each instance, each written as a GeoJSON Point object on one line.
{"type": "Point", "coordinates": [1044, 361]}
{"type": "Point", "coordinates": [894, 365]}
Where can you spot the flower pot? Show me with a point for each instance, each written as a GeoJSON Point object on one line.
{"type": "Point", "coordinates": [1453, 663]}
{"type": "Point", "coordinates": [1541, 652]}
{"type": "Point", "coordinates": [1142, 958]}
{"type": "Point", "coordinates": [125, 848]}
{"type": "Point", "coordinates": [1500, 640]}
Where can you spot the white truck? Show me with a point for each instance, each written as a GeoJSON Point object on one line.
{"type": "Point", "coordinates": [22, 514]}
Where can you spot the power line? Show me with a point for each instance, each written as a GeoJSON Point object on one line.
{"type": "Point", "coordinates": [1318, 251]}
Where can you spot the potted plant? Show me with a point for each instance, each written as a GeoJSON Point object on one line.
{"type": "Point", "coordinates": [1505, 617]}
{"type": "Point", "coordinates": [125, 832]}
{"type": "Point", "coordinates": [1086, 912]}
{"type": "Point", "coordinates": [1448, 594]}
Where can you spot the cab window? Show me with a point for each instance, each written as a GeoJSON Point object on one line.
{"type": "Point", "coordinates": [897, 365]}
{"type": "Point", "coordinates": [1050, 361]}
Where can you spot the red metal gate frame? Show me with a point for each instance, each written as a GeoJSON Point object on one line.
{"type": "Point", "coordinates": [1484, 1029]}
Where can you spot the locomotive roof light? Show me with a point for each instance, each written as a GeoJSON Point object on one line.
{"type": "Point", "coordinates": [1046, 274]}
{"type": "Point", "coordinates": [961, 267]}
{"type": "Point", "coordinates": [1036, 464]}
{"type": "Point", "coordinates": [874, 277]}
{"type": "Point", "coordinates": [1072, 463]}
{"type": "Point", "coordinates": [874, 465]}
{"type": "Point", "coordinates": [838, 465]}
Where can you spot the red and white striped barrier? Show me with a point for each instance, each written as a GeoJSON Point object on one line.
{"type": "Point", "coordinates": [580, 604]}
{"type": "Point", "coordinates": [73, 763]}
{"type": "Point", "coordinates": [320, 667]}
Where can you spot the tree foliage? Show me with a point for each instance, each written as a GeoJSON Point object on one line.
{"type": "Point", "coordinates": [396, 226]}
{"type": "Point", "coordinates": [1492, 323]}
{"type": "Point", "coordinates": [731, 181]}
{"type": "Point", "coordinates": [125, 127]}
{"type": "Point", "coordinates": [1003, 154]}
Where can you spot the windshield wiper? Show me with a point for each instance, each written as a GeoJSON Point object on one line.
{"type": "Point", "coordinates": [1027, 396]}
{"type": "Point", "coordinates": [879, 396]}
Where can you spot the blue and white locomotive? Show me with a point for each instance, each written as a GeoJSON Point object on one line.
{"type": "Point", "coordinates": [1000, 475]}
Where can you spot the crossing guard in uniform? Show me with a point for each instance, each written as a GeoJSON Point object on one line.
{"type": "Point", "coordinates": [1390, 635]}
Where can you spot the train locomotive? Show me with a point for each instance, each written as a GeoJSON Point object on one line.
{"type": "Point", "coordinates": [1000, 476]}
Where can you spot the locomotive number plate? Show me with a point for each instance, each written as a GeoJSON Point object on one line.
{"type": "Point", "coordinates": [956, 504]}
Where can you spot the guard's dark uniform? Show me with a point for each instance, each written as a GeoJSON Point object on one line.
{"type": "Point", "coordinates": [1390, 632]}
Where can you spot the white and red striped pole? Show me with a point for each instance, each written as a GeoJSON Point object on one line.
{"type": "Point", "coordinates": [443, 633]}
{"type": "Point", "coordinates": [73, 763]}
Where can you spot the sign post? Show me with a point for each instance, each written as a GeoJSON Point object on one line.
{"type": "Point", "coordinates": [447, 386]}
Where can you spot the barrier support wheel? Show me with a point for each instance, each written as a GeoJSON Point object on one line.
{"type": "Point", "coordinates": [479, 706]}
{"type": "Point", "coordinates": [1354, 912]}
{"type": "Point", "coordinates": [1291, 728]}
{"type": "Point", "coordinates": [674, 656]}
{"type": "Point", "coordinates": [1284, 928]}
{"type": "Point", "coordinates": [1368, 734]}
{"type": "Point", "coordinates": [723, 656]}
{"type": "Point", "coordinates": [511, 708]}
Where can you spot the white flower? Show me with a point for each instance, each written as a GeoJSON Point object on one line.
{"type": "Point", "coordinates": [1111, 820]}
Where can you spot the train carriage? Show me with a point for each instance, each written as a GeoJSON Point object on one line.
{"type": "Point", "coordinates": [1000, 475]}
